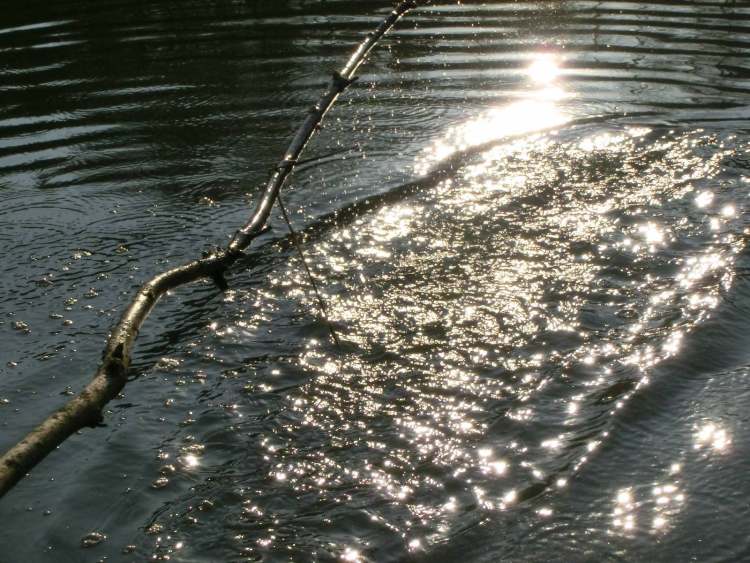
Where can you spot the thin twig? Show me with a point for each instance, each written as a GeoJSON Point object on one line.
{"type": "Point", "coordinates": [323, 310]}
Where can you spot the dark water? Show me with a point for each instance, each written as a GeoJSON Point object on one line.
{"type": "Point", "coordinates": [531, 231]}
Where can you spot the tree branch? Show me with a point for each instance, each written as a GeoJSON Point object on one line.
{"type": "Point", "coordinates": [85, 410]}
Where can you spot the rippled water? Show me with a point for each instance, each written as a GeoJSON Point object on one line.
{"type": "Point", "coordinates": [529, 223]}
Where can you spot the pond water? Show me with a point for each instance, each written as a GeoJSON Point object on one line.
{"type": "Point", "coordinates": [529, 222]}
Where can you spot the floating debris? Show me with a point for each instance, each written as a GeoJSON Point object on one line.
{"type": "Point", "coordinates": [93, 539]}
{"type": "Point", "coordinates": [78, 254]}
{"type": "Point", "coordinates": [160, 483]}
{"type": "Point", "coordinates": [168, 469]}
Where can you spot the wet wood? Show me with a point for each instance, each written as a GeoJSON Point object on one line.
{"type": "Point", "coordinates": [85, 410]}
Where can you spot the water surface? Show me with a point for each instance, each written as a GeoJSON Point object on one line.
{"type": "Point", "coordinates": [528, 221]}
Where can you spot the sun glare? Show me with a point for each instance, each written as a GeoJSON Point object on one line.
{"type": "Point", "coordinates": [544, 69]}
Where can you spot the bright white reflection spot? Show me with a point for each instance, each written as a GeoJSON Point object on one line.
{"type": "Point", "coordinates": [499, 467]}
{"type": "Point", "coordinates": [552, 444]}
{"type": "Point", "coordinates": [703, 199]}
{"type": "Point", "coordinates": [712, 436]}
{"type": "Point", "coordinates": [351, 555]}
{"type": "Point", "coordinates": [544, 69]}
{"type": "Point", "coordinates": [191, 460]}
{"type": "Point", "coordinates": [624, 497]}
{"type": "Point", "coordinates": [651, 233]}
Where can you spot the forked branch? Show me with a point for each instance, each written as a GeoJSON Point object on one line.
{"type": "Point", "coordinates": [86, 408]}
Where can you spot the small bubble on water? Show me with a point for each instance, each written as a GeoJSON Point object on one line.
{"type": "Point", "coordinates": [93, 539]}
{"type": "Point", "coordinates": [160, 483]}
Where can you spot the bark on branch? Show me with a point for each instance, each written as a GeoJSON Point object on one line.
{"type": "Point", "coordinates": [86, 409]}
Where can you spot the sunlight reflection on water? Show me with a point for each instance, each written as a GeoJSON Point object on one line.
{"type": "Point", "coordinates": [538, 111]}
{"type": "Point", "coordinates": [556, 298]}
{"type": "Point", "coordinates": [522, 310]}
